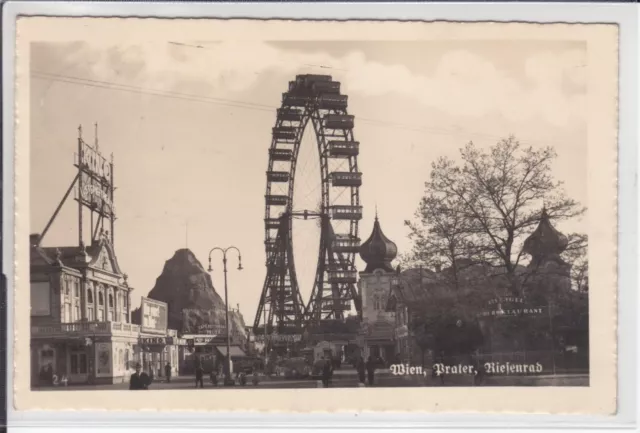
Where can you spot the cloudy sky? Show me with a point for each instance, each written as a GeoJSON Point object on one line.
{"type": "Point", "coordinates": [189, 125]}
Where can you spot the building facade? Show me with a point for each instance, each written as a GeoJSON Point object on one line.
{"type": "Point", "coordinates": [377, 328]}
{"type": "Point", "coordinates": [80, 314]}
{"type": "Point", "coordinates": [80, 319]}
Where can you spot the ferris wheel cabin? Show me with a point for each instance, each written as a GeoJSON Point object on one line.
{"type": "Point", "coordinates": [346, 212]}
{"type": "Point", "coordinates": [278, 176]}
{"type": "Point", "coordinates": [290, 114]}
{"type": "Point", "coordinates": [346, 244]}
{"type": "Point", "coordinates": [333, 102]}
{"type": "Point", "coordinates": [339, 121]}
{"type": "Point", "coordinates": [343, 149]}
{"type": "Point", "coordinates": [277, 200]}
{"type": "Point", "coordinates": [284, 133]}
{"type": "Point", "coordinates": [336, 304]}
{"type": "Point", "coordinates": [343, 276]}
{"type": "Point", "coordinates": [281, 154]}
{"type": "Point", "coordinates": [346, 178]}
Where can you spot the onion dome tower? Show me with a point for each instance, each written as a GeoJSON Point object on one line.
{"type": "Point", "coordinates": [378, 251]}
{"type": "Point", "coordinates": [545, 242]}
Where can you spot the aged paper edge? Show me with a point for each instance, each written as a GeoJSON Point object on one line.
{"type": "Point", "coordinates": [598, 398]}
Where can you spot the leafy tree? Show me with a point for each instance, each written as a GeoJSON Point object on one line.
{"type": "Point", "coordinates": [492, 200]}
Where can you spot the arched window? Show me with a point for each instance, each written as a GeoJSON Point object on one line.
{"type": "Point", "coordinates": [100, 299]}
{"type": "Point", "coordinates": [90, 296]}
{"type": "Point", "coordinates": [110, 300]}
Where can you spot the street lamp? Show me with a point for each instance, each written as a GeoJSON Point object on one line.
{"type": "Point", "coordinates": [226, 303]}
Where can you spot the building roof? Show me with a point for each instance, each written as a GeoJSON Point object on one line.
{"type": "Point", "coordinates": [378, 251]}
{"type": "Point", "coordinates": [545, 240]}
{"type": "Point", "coordinates": [76, 256]}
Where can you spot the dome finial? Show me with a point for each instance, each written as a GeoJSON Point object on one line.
{"type": "Point", "coordinates": [376, 211]}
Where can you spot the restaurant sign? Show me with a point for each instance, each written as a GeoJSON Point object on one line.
{"type": "Point", "coordinates": [510, 307]}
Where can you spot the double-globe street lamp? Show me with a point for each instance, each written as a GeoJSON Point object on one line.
{"type": "Point", "coordinates": [226, 303]}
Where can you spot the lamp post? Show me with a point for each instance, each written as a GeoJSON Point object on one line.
{"type": "Point", "coordinates": [226, 303]}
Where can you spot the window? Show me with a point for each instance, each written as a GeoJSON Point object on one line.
{"type": "Point", "coordinates": [76, 288]}
{"type": "Point", "coordinates": [90, 315]}
{"type": "Point", "coordinates": [76, 309]}
{"type": "Point", "coordinates": [126, 359]}
{"type": "Point", "coordinates": [89, 296]}
{"type": "Point", "coordinates": [40, 299]}
{"type": "Point", "coordinates": [78, 363]}
{"type": "Point", "coordinates": [100, 315]}
{"type": "Point", "coordinates": [67, 284]}
{"type": "Point", "coordinates": [110, 316]}
{"type": "Point", "coordinates": [67, 312]}
{"type": "Point", "coordinates": [100, 298]}
{"type": "Point", "coordinates": [110, 300]}
{"type": "Point", "coordinates": [125, 318]}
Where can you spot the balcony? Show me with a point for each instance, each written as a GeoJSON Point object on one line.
{"type": "Point", "coordinates": [346, 212]}
{"type": "Point", "coordinates": [285, 133]}
{"type": "Point", "coordinates": [327, 87]}
{"type": "Point", "coordinates": [272, 223]}
{"type": "Point", "coordinates": [277, 200]}
{"type": "Point", "coordinates": [335, 102]}
{"type": "Point", "coordinates": [343, 149]}
{"type": "Point", "coordinates": [278, 176]}
{"type": "Point", "coordinates": [346, 244]}
{"type": "Point", "coordinates": [342, 276]}
{"type": "Point", "coordinates": [84, 329]}
{"type": "Point", "coordinates": [281, 154]}
{"type": "Point", "coordinates": [339, 121]}
{"type": "Point", "coordinates": [346, 179]}
{"type": "Point", "coordinates": [290, 114]}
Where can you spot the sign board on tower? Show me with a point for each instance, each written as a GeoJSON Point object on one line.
{"type": "Point", "coordinates": [154, 315]}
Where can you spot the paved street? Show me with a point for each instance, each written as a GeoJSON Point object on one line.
{"type": "Point", "coordinates": [348, 378]}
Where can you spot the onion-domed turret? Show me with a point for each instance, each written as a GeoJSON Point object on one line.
{"type": "Point", "coordinates": [378, 251]}
{"type": "Point", "coordinates": [545, 241]}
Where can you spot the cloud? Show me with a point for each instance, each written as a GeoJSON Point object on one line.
{"type": "Point", "coordinates": [462, 84]}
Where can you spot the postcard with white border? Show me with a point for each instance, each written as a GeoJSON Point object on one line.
{"type": "Point", "coordinates": [381, 216]}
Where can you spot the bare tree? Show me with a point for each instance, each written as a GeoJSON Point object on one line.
{"type": "Point", "coordinates": [440, 235]}
{"type": "Point", "coordinates": [498, 194]}
{"type": "Point", "coordinates": [576, 256]}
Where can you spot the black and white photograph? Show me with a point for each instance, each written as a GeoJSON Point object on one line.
{"type": "Point", "coordinates": [251, 213]}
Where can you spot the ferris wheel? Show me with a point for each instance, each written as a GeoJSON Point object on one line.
{"type": "Point", "coordinates": [314, 99]}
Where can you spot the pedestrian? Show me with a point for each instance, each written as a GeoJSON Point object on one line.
{"type": "Point", "coordinates": [326, 373]}
{"type": "Point", "coordinates": [360, 367]}
{"type": "Point", "coordinates": [199, 375]}
{"type": "Point", "coordinates": [138, 380]}
{"type": "Point", "coordinates": [371, 368]}
{"type": "Point", "coordinates": [167, 372]}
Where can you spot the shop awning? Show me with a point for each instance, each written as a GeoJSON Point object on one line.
{"type": "Point", "coordinates": [236, 351]}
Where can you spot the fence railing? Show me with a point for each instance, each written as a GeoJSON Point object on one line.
{"type": "Point", "coordinates": [85, 328]}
